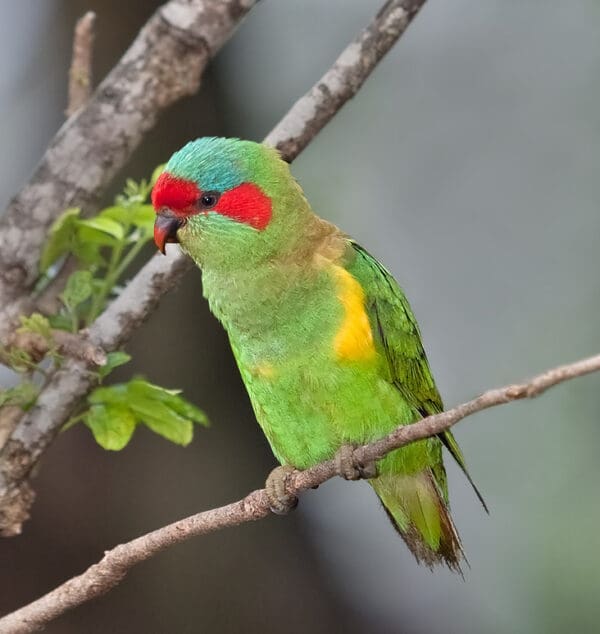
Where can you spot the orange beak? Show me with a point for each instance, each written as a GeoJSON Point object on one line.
{"type": "Point", "coordinates": [165, 228]}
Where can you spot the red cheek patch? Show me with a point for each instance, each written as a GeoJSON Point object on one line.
{"type": "Point", "coordinates": [246, 203]}
{"type": "Point", "coordinates": [177, 194]}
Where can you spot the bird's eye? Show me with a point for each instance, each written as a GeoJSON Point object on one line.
{"type": "Point", "coordinates": [209, 199]}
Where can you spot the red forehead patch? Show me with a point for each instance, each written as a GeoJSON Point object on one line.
{"type": "Point", "coordinates": [175, 193]}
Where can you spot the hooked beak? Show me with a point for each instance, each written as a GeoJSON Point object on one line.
{"type": "Point", "coordinates": [165, 228]}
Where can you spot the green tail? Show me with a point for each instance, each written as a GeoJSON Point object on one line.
{"type": "Point", "coordinates": [415, 506]}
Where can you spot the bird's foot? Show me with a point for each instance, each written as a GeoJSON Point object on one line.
{"type": "Point", "coordinates": [351, 466]}
{"type": "Point", "coordinates": [280, 501]}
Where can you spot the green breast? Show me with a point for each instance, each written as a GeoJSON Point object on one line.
{"type": "Point", "coordinates": [308, 393]}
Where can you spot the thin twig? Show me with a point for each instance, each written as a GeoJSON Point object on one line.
{"type": "Point", "coordinates": [114, 327]}
{"type": "Point", "coordinates": [80, 73]}
{"type": "Point", "coordinates": [116, 563]}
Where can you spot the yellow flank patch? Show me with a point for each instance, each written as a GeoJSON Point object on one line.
{"type": "Point", "coordinates": [354, 339]}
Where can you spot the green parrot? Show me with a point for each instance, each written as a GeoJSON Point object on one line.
{"type": "Point", "coordinates": [324, 338]}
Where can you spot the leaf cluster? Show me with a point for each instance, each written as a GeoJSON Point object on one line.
{"type": "Point", "coordinates": [112, 413]}
{"type": "Point", "coordinates": [103, 247]}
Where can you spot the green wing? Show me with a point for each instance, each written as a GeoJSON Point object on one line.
{"type": "Point", "coordinates": [396, 330]}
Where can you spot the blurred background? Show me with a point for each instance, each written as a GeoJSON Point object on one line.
{"type": "Point", "coordinates": [469, 165]}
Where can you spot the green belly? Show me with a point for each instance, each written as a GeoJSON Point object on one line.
{"type": "Point", "coordinates": [307, 409]}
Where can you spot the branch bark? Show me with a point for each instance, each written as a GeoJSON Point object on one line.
{"type": "Point", "coordinates": [164, 64]}
{"type": "Point", "coordinates": [116, 563]}
{"type": "Point", "coordinates": [311, 113]}
{"type": "Point", "coordinates": [39, 426]}
{"type": "Point", "coordinates": [80, 73]}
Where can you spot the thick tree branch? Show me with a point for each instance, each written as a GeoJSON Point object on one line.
{"type": "Point", "coordinates": [63, 393]}
{"type": "Point", "coordinates": [164, 64]}
{"type": "Point", "coordinates": [116, 563]}
{"type": "Point", "coordinates": [80, 73]}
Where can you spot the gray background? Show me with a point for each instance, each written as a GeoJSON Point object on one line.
{"type": "Point", "coordinates": [469, 165]}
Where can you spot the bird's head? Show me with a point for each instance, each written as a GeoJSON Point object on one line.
{"type": "Point", "coordinates": [228, 202]}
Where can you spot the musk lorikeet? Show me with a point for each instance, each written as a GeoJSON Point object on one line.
{"type": "Point", "coordinates": [325, 340]}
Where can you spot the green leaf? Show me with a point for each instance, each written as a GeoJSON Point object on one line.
{"type": "Point", "coordinates": [87, 251]}
{"type": "Point", "coordinates": [161, 410]}
{"type": "Point", "coordinates": [143, 216]}
{"type": "Point", "coordinates": [114, 395]}
{"type": "Point", "coordinates": [118, 213]}
{"type": "Point", "coordinates": [144, 388]}
{"type": "Point", "coordinates": [79, 288]}
{"type": "Point", "coordinates": [23, 395]}
{"type": "Point", "coordinates": [104, 225]}
{"type": "Point", "coordinates": [36, 323]}
{"type": "Point", "coordinates": [112, 426]}
{"type": "Point", "coordinates": [60, 322]}
{"type": "Point", "coordinates": [90, 239]}
{"type": "Point", "coordinates": [164, 422]}
{"type": "Point", "coordinates": [188, 410]}
{"type": "Point", "coordinates": [171, 398]}
{"type": "Point", "coordinates": [113, 360]}
{"type": "Point", "coordinates": [19, 360]}
{"type": "Point", "coordinates": [60, 238]}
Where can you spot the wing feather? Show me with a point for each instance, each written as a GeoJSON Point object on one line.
{"type": "Point", "coordinates": [397, 333]}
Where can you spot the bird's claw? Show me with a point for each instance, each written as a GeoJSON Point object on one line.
{"type": "Point", "coordinates": [351, 466]}
{"type": "Point", "coordinates": [280, 501]}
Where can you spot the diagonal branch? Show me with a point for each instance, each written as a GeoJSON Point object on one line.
{"type": "Point", "coordinates": [116, 563]}
{"type": "Point", "coordinates": [310, 114]}
{"type": "Point", "coordinates": [164, 64]}
{"type": "Point", "coordinates": [60, 397]}
{"type": "Point", "coordinates": [80, 73]}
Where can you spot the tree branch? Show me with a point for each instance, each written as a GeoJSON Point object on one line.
{"type": "Point", "coordinates": [114, 327]}
{"type": "Point", "coordinates": [343, 80]}
{"type": "Point", "coordinates": [80, 73]}
{"type": "Point", "coordinates": [116, 563]}
{"type": "Point", "coordinates": [164, 64]}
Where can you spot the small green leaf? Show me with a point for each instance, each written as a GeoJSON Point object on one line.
{"type": "Point", "coordinates": [105, 225]}
{"type": "Point", "coordinates": [36, 323]}
{"type": "Point", "coordinates": [60, 238]}
{"type": "Point", "coordinates": [146, 389]}
{"type": "Point", "coordinates": [113, 360]}
{"type": "Point", "coordinates": [79, 288]}
{"type": "Point", "coordinates": [161, 410]}
{"type": "Point", "coordinates": [60, 322]}
{"type": "Point", "coordinates": [23, 395]}
{"type": "Point", "coordinates": [164, 422]}
{"type": "Point", "coordinates": [87, 251]}
{"type": "Point", "coordinates": [188, 410]}
{"type": "Point", "coordinates": [118, 213]}
{"type": "Point", "coordinates": [143, 216]}
{"type": "Point", "coordinates": [112, 426]}
{"type": "Point", "coordinates": [19, 360]}
{"type": "Point", "coordinates": [115, 394]}
{"type": "Point", "coordinates": [89, 239]}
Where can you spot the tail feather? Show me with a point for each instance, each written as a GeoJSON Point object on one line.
{"type": "Point", "coordinates": [417, 510]}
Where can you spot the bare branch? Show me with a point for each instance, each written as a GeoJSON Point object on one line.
{"type": "Point", "coordinates": [116, 563]}
{"type": "Point", "coordinates": [112, 329]}
{"type": "Point", "coordinates": [343, 80]}
{"type": "Point", "coordinates": [164, 64]}
{"type": "Point", "coordinates": [80, 73]}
